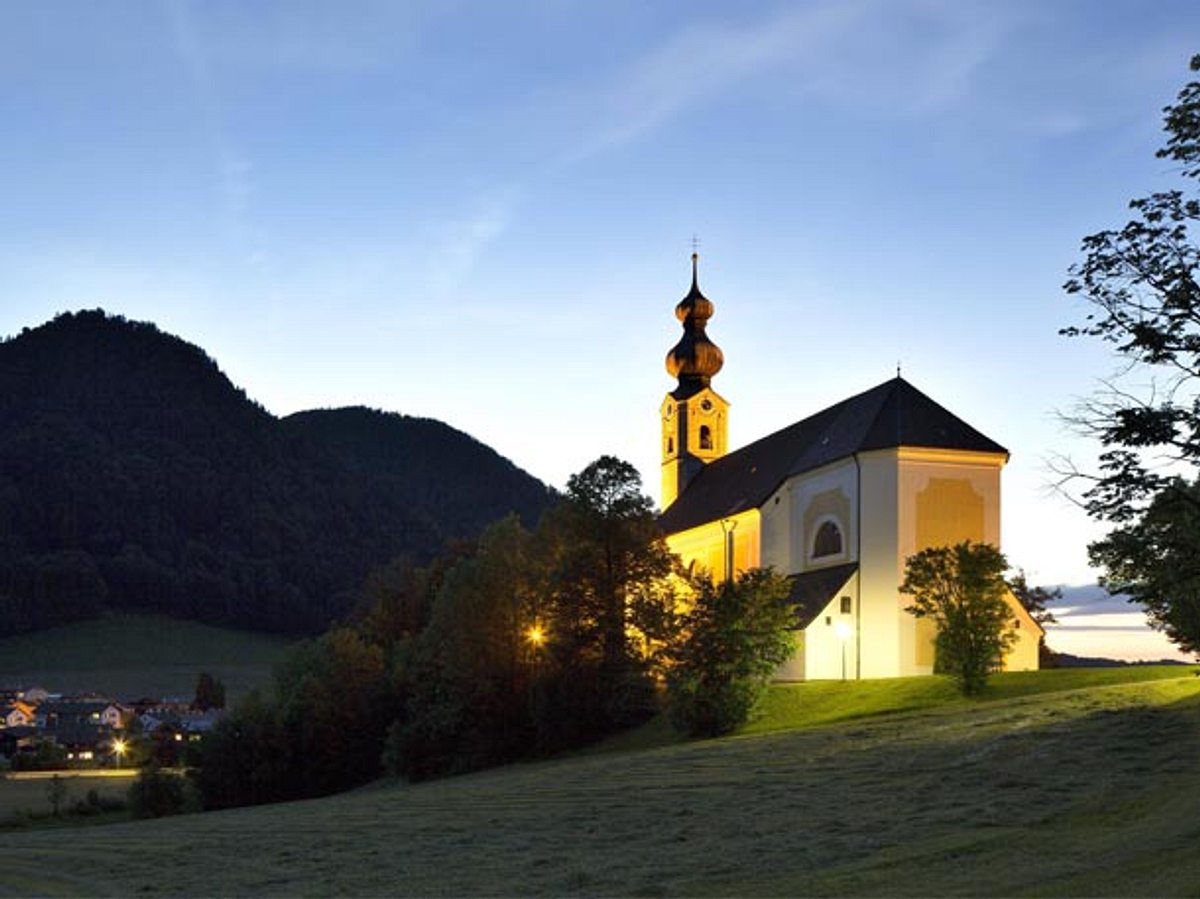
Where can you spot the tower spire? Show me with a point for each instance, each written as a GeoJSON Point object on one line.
{"type": "Point", "coordinates": [694, 359]}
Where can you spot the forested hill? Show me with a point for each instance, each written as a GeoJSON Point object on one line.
{"type": "Point", "coordinates": [134, 475]}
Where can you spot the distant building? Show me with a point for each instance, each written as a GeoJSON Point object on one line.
{"type": "Point", "coordinates": [837, 501]}
{"type": "Point", "coordinates": [17, 714]}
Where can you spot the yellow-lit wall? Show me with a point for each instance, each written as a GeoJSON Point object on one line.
{"type": "Point", "coordinates": [705, 545]}
{"type": "Point", "coordinates": [945, 497]}
{"type": "Point", "coordinates": [1023, 654]}
{"type": "Point", "coordinates": [683, 452]}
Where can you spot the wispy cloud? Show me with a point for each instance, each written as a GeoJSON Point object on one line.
{"type": "Point", "coordinates": [457, 244]}
{"type": "Point", "coordinates": [916, 58]}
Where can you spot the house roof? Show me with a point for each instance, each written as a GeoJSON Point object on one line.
{"type": "Point", "coordinates": [891, 415]}
{"type": "Point", "coordinates": [812, 591]}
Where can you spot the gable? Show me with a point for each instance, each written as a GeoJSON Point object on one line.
{"type": "Point", "coordinates": [813, 590]}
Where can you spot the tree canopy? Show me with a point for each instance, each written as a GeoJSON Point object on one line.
{"type": "Point", "coordinates": [733, 639]}
{"type": "Point", "coordinates": [1140, 283]}
{"type": "Point", "coordinates": [134, 475]}
{"type": "Point", "coordinates": [962, 589]}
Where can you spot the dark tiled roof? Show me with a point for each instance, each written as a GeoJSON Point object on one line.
{"type": "Point", "coordinates": [812, 591]}
{"type": "Point", "coordinates": [893, 414]}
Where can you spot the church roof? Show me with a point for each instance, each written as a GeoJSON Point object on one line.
{"type": "Point", "coordinates": [891, 415]}
{"type": "Point", "coordinates": [812, 591]}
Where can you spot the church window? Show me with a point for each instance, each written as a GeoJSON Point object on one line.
{"type": "Point", "coordinates": [846, 605]}
{"type": "Point", "coordinates": [828, 541]}
{"type": "Point", "coordinates": [670, 444]}
{"type": "Point", "coordinates": [705, 437]}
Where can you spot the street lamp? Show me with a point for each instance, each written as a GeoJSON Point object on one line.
{"type": "Point", "coordinates": [843, 631]}
{"type": "Point", "coordinates": [119, 747]}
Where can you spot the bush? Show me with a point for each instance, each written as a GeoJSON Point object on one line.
{"type": "Point", "coordinates": [736, 636]}
{"type": "Point", "coordinates": [157, 793]}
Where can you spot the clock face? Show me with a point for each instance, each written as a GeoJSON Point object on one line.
{"type": "Point", "coordinates": [706, 405]}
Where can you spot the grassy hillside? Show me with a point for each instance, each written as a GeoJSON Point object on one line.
{"type": "Point", "coordinates": [1080, 792]}
{"type": "Point", "coordinates": [136, 655]}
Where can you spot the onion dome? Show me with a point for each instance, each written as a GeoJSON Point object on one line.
{"type": "Point", "coordinates": [695, 359]}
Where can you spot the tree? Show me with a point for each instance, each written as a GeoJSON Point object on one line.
{"type": "Point", "coordinates": [468, 675]}
{"type": "Point", "coordinates": [157, 793]}
{"type": "Point", "coordinates": [210, 693]}
{"type": "Point", "coordinates": [1035, 600]}
{"type": "Point", "coordinates": [609, 563]}
{"type": "Point", "coordinates": [1141, 283]}
{"type": "Point", "coordinates": [962, 589]}
{"type": "Point", "coordinates": [56, 792]}
{"type": "Point", "coordinates": [1156, 561]}
{"type": "Point", "coordinates": [736, 635]}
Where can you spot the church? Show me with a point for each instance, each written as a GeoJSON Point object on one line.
{"type": "Point", "coordinates": [837, 502]}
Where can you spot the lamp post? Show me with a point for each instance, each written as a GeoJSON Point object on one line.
{"type": "Point", "coordinates": [119, 747]}
{"type": "Point", "coordinates": [843, 630]}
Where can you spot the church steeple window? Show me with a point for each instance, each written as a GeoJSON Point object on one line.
{"type": "Point", "coordinates": [705, 437]}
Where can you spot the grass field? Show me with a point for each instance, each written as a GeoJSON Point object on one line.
{"type": "Point", "coordinates": [1085, 791]}
{"type": "Point", "coordinates": [138, 655]}
{"type": "Point", "coordinates": [20, 796]}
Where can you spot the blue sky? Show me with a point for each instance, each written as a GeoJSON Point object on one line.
{"type": "Point", "coordinates": [482, 212]}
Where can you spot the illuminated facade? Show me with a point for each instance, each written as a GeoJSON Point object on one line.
{"type": "Point", "coordinates": [837, 501]}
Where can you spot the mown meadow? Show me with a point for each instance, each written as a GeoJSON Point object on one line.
{"type": "Point", "coordinates": [126, 656]}
{"type": "Point", "coordinates": [1087, 790]}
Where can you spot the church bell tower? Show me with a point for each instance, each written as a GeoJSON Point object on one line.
{"type": "Point", "coordinates": [695, 418]}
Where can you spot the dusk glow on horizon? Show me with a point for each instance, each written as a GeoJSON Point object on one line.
{"type": "Point", "coordinates": [483, 213]}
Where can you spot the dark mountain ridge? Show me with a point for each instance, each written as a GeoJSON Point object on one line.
{"type": "Point", "coordinates": [135, 475]}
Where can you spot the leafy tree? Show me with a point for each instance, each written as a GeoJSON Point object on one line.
{"type": "Point", "coordinates": [1034, 599]}
{"type": "Point", "coordinates": [609, 564]}
{"type": "Point", "coordinates": [1141, 284]}
{"type": "Point", "coordinates": [56, 792]}
{"type": "Point", "coordinates": [962, 589]}
{"type": "Point", "coordinates": [157, 793]}
{"type": "Point", "coordinates": [210, 693]}
{"type": "Point", "coordinates": [468, 678]}
{"type": "Point", "coordinates": [247, 757]}
{"type": "Point", "coordinates": [1157, 562]}
{"type": "Point", "coordinates": [736, 635]}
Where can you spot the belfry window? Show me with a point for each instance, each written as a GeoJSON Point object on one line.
{"type": "Point", "coordinates": [705, 437]}
{"type": "Point", "coordinates": [670, 444]}
{"type": "Point", "coordinates": [828, 541]}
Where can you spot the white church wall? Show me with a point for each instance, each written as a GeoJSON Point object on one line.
{"type": "Point", "coordinates": [831, 640]}
{"type": "Point", "coordinates": [880, 616]}
{"type": "Point", "coordinates": [776, 530]}
{"type": "Point", "coordinates": [828, 493]}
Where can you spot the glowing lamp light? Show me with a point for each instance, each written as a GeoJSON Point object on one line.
{"type": "Point", "coordinates": [843, 630]}
{"type": "Point", "coordinates": [536, 635]}
{"type": "Point", "coordinates": [119, 747]}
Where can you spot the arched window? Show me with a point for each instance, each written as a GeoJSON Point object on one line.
{"type": "Point", "coordinates": [828, 541]}
{"type": "Point", "coordinates": [670, 444]}
{"type": "Point", "coordinates": [705, 437]}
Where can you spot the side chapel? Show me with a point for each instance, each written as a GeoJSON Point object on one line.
{"type": "Point", "coordinates": [837, 502]}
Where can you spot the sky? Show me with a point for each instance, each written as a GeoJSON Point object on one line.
{"type": "Point", "coordinates": [483, 212]}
